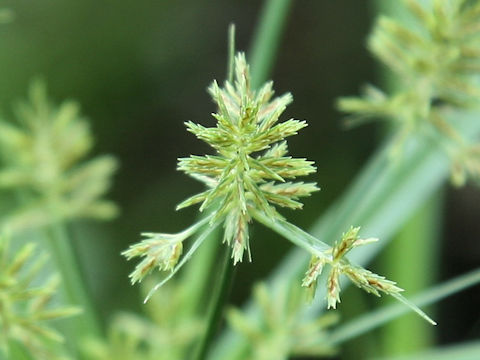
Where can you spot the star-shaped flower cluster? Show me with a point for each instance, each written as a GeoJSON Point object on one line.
{"type": "Point", "coordinates": [239, 176]}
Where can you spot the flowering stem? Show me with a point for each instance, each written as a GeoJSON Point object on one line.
{"type": "Point", "coordinates": [217, 305]}
{"type": "Point", "coordinates": [295, 234]}
{"type": "Point", "coordinates": [197, 273]}
{"type": "Point", "coordinates": [73, 283]}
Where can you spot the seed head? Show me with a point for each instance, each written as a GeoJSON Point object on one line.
{"type": "Point", "coordinates": [251, 166]}
{"type": "Point", "coordinates": [160, 251]}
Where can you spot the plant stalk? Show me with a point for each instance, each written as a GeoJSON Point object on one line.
{"type": "Point", "coordinates": [416, 243]}
{"type": "Point", "coordinates": [267, 38]}
{"type": "Point", "coordinates": [216, 307]}
{"type": "Point", "coordinates": [73, 283]}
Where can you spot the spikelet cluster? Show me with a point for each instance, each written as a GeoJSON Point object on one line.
{"type": "Point", "coordinates": [249, 175]}
{"type": "Point", "coordinates": [339, 264]}
{"type": "Point", "coordinates": [161, 251]}
{"type": "Point", "coordinates": [251, 167]}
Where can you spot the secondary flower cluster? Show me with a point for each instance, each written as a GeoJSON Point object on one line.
{"type": "Point", "coordinates": [437, 62]}
{"type": "Point", "coordinates": [239, 177]}
{"type": "Point", "coordinates": [43, 156]}
{"type": "Point", "coordinates": [363, 278]}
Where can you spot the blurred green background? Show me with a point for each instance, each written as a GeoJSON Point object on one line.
{"type": "Point", "coordinates": [140, 70]}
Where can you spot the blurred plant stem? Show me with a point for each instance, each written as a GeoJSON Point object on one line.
{"type": "Point", "coordinates": [411, 259]}
{"type": "Point", "coordinates": [197, 274]}
{"type": "Point", "coordinates": [17, 351]}
{"type": "Point", "coordinates": [73, 283]}
{"type": "Point", "coordinates": [411, 256]}
{"type": "Point", "coordinates": [266, 39]}
{"type": "Point", "coordinates": [222, 290]}
{"type": "Point", "coordinates": [59, 243]}
{"type": "Point", "coordinates": [217, 304]}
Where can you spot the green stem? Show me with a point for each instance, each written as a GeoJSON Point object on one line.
{"type": "Point", "coordinates": [263, 52]}
{"type": "Point", "coordinates": [73, 283]}
{"type": "Point", "coordinates": [197, 274]}
{"type": "Point", "coordinates": [267, 38]}
{"type": "Point", "coordinates": [217, 305]}
{"type": "Point", "coordinates": [264, 48]}
{"type": "Point", "coordinates": [221, 296]}
{"type": "Point", "coordinates": [417, 243]}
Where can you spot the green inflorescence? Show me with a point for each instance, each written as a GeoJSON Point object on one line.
{"type": "Point", "coordinates": [43, 157]}
{"type": "Point", "coordinates": [239, 177]}
{"type": "Point", "coordinates": [437, 59]}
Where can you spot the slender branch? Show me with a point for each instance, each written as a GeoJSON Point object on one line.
{"type": "Point", "coordinates": [197, 273]}
{"type": "Point", "coordinates": [376, 318]}
{"type": "Point", "coordinates": [217, 305]}
{"type": "Point", "coordinates": [293, 233]}
{"type": "Point", "coordinates": [73, 283]}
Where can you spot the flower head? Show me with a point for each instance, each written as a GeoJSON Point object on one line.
{"type": "Point", "coordinates": [251, 167]}
{"type": "Point", "coordinates": [363, 278]}
{"type": "Point", "coordinates": [161, 251]}
{"type": "Point", "coordinates": [44, 156]}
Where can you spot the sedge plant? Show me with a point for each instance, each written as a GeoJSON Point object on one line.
{"type": "Point", "coordinates": [246, 178]}
{"type": "Point", "coordinates": [249, 177]}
